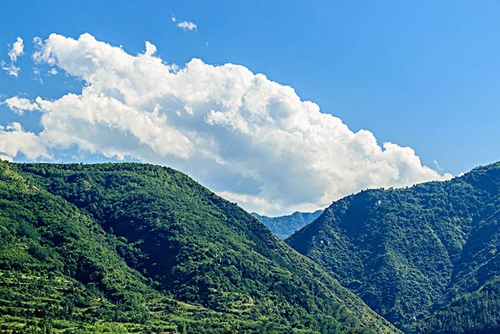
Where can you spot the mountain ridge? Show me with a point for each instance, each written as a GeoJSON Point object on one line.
{"type": "Point", "coordinates": [183, 258]}
{"type": "Point", "coordinates": [412, 253]}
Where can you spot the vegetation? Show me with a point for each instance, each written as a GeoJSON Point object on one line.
{"type": "Point", "coordinates": [117, 248]}
{"type": "Point", "coordinates": [425, 257]}
{"type": "Point", "coordinates": [285, 226]}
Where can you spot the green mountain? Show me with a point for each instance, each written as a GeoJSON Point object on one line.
{"type": "Point", "coordinates": [285, 226]}
{"type": "Point", "coordinates": [425, 257]}
{"type": "Point", "coordinates": [117, 248]}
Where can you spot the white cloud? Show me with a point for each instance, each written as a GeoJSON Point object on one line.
{"type": "Point", "coordinates": [14, 140]}
{"type": "Point", "coordinates": [260, 204]}
{"type": "Point", "coordinates": [186, 25]}
{"type": "Point", "coordinates": [20, 104]}
{"type": "Point", "coordinates": [52, 71]}
{"type": "Point", "coordinates": [41, 55]}
{"type": "Point", "coordinates": [150, 49]}
{"type": "Point", "coordinates": [242, 135]}
{"type": "Point", "coordinates": [15, 126]}
{"type": "Point", "coordinates": [16, 51]}
{"type": "Point", "coordinates": [11, 69]}
{"type": "Point", "coordinates": [6, 158]}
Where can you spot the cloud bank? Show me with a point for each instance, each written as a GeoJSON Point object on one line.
{"type": "Point", "coordinates": [250, 139]}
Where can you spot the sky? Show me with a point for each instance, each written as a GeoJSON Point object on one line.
{"type": "Point", "coordinates": [276, 105]}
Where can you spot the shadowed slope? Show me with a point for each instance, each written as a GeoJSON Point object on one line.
{"type": "Point", "coordinates": [410, 252]}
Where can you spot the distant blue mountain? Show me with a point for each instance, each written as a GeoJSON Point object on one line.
{"type": "Point", "coordinates": [285, 226]}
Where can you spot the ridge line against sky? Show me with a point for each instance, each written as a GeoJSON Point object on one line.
{"type": "Point", "coordinates": [198, 98]}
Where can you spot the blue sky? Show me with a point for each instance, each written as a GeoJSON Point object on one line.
{"type": "Point", "coordinates": [420, 74]}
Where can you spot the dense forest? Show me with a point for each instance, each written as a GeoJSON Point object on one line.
{"type": "Point", "coordinates": [123, 248]}
{"type": "Point", "coordinates": [117, 248]}
{"type": "Point", "coordinates": [285, 226]}
{"type": "Point", "coordinates": [424, 257]}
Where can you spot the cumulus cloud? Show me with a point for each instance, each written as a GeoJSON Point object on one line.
{"type": "Point", "coordinates": [250, 139]}
{"type": "Point", "coordinates": [14, 140]}
{"type": "Point", "coordinates": [150, 49]}
{"type": "Point", "coordinates": [16, 51]}
{"type": "Point", "coordinates": [20, 104]}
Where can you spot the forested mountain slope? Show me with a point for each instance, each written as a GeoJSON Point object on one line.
{"type": "Point", "coordinates": [134, 247]}
{"type": "Point", "coordinates": [284, 226]}
{"type": "Point", "coordinates": [425, 257]}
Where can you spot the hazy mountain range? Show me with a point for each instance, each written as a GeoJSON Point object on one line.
{"type": "Point", "coordinates": [284, 226]}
